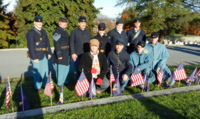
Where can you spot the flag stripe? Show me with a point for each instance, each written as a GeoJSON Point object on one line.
{"type": "Point", "coordinates": [137, 79]}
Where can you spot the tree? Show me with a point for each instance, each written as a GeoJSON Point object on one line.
{"type": "Point", "coordinates": [7, 35]}
{"type": "Point", "coordinates": [192, 28]}
{"type": "Point", "coordinates": [51, 10]}
{"type": "Point", "coordinates": [162, 16]}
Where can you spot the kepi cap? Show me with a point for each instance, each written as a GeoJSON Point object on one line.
{"type": "Point", "coordinates": [141, 43]}
{"type": "Point", "coordinates": [154, 35]}
{"type": "Point", "coordinates": [63, 19]}
{"type": "Point", "coordinates": [38, 19]}
{"type": "Point", "coordinates": [82, 19]}
{"type": "Point", "coordinates": [119, 41]}
{"type": "Point", "coordinates": [119, 21]}
{"type": "Point", "coordinates": [101, 26]}
{"type": "Point", "coordinates": [137, 20]}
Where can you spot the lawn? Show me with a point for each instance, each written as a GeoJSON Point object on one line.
{"type": "Point", "coordinates": [154, 107]}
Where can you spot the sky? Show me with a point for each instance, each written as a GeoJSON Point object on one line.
{"type": "Point", "coordinates": [109, 8]}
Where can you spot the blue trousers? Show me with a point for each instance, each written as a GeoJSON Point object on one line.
{"type": "Point", "coordinates": [40, 73]}
{"type": "Point", "coordinates": [123, 84]}
{"type": "Point", "coordinates": [62, 72]}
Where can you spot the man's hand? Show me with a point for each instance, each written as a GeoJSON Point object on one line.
{"type": "Point", "coordinates": [36, 60]}
{"type": "Point", "coordinates": [49, 56]}
{"type": "Point", "coordinates": [60, 58]}
{"type": "Point", "coordinates": [158, 69]}
{"type": "Point", "coordinates": [74, 56]}
{"type": "Point", "coordinates": [125, 77]}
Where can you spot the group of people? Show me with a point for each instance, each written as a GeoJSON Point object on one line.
{"type": "Point", "coordinates": [119, 51]}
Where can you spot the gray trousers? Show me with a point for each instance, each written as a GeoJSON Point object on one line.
{"type": "Point", "coordinates": [104, 85]}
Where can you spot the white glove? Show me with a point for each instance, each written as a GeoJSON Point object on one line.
{"type": "Point", "coordinates": [36, 60]}
{"type": "Point", "coordinates": [49, 56]}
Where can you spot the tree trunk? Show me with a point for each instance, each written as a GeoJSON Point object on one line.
{"type": "Point", "coordinates": [162, 35]}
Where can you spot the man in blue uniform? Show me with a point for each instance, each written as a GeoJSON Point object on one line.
{"type": "Point", "coordinates": [135, 35]}
{"type": "Point", "coordinates": [160, 55]}
{"type": "Point", "coordinates": [120, 61]}
{"type": "Point", "coordinates": [104, 41]}
{"type": "Point", "coordinates": [79, 43]}
{"type": "Point", "coordinates": [40, 51]}
{"type": "Point", "coordinates": [116, 33]}
{"type": "Point", "coordinates": [141, 58]}
{"type": "Point", "coordinates": [61, 52]}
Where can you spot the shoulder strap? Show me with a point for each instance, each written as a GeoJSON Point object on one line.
{"type": "Point", "coordinates": [136, 35]}
{"type": "Point", "coordinates": [37, 31]}
{"type": "Point", "coordinates": [119, 60]}
{"type": "Point", "coordinates": [41, 36]}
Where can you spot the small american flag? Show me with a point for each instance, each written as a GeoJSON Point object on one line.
{"type": "Point", "coordinates": [137, 78]}
{"type": "Point", "coordinates": [48, 87]}
{"type": "Point", "coordinates": [160, 75]}
{"type": "Point", "coordinates": [179, 73]}
{"type": "Point", "coordinates": [112, 78]}
{"type": "Point", "coordinates": [198, 72]}
{"type": "Point", "coordinates": [82, 85]}
{"type": "Point", "coordinates": [51, 82]}
{"type": "Point", "coordinates": [8, 93]}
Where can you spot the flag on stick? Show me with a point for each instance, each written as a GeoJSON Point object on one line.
{"type": "Point", "coordinates": [136, 78]}
{"type": "Point", "coordinates": [82, 85]}
{"type": "Point", "coordinates": [8, 93]}
{"type": "Point", "coordinates": [180, 73]}
{"type": "Point", "coordinates": [160, 75]}
{"type": "Point", "coordinates": [116, 90]}
{"type": "Point", "coordinates": [51, 82]}
{"type": "Point", "coordinates": [92, 89]}
{"type": "Point", "coordinates": [198, 72]}
{"type": "Point", "coordinates": [170, 81]}
{"type": "Point", "coordinates": [48, 87]}
{"type": "Point", "coordinates": [193, 78]}
{"type": "Point", "coordinates": [145, 86]}
{"type": "Point", "coordinates": [23, 102]}
{"type": "Point", "coordinates": [61, 99]}
{"type": "Point", "coordinates": [112, 78]}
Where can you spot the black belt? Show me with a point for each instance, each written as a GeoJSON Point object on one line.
{"type": "Point", "coordinates": [41, 49]}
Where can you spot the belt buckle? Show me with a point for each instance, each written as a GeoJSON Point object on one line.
{"type": "Point", "coordinates": [101, 50]}
{"type": "Point", "coordinates": [43, 49]}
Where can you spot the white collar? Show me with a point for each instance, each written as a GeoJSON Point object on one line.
{"type": "Point", "coordinates": [37, 28]}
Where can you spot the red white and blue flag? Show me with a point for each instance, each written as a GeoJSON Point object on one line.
{"type": "Point", "coordinates": [112, 78]}
{"type": "Point", "coordinates": [51, 82]}
{"type": "Point", "coordinates": [198, 72]}
{"type": "Point", "coordinates": [48, 87]}
{"type": "Point", "coordinates": [136, 78]}
{"type": "Point", "coordinates": [8, 93]}
{"type": "Point", "coordinates": [160, 75]}
{"type": "Point", "coordinates": [180, 73]}
{"type": "Point", "coordinates": [82, 85]}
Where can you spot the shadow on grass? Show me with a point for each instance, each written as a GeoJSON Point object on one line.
{"type": "Point", "coordinates": [162, 111]}
{"type": "Point", "coordinates": [2, 98]}
{"type": "Point", "coordinates": [29, 92]}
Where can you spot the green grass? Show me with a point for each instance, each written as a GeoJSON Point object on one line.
{"type": "Point", "coordinates": [182, 105]}
{"type": "Point", "coordinates": [38, 100]}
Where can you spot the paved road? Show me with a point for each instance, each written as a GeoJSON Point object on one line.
{"type": "Point", "coordinates": [13, 63]}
